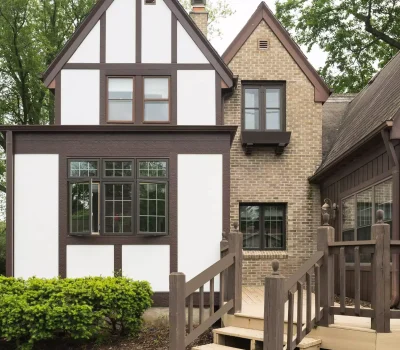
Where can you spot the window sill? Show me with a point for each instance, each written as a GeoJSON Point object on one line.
{"type": "Point", "coordinates": [278, 139]}
{"type": "Point", "coordinates": [264, 254]}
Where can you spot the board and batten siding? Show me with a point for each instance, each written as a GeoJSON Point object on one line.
{"type": "Point", "coordinates": [200, 212]}
{"type": "Point", "coordinates": [36, 224]}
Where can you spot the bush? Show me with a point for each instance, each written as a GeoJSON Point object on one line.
{"type": "Point", "coordinates": [39, 309]}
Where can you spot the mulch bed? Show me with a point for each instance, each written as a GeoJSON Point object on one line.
{"type": "Point", "coordinates": [152, 337]}
{"type": "Point", "coordinates": [350, 302]}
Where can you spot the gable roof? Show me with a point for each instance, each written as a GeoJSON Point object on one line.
{"type": "Point", "coordinates": [367, 114]}
{"type": "Point", "coordinates": [101, 7]}
{"type": "Point", "coordinates": [263, 13]}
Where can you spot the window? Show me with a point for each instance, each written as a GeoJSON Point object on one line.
{"type": "Point", "coordinates": [156, 100]}
{"type": "Point", "coordinates": [120, 100]}
{"type": "Point", "coordinates": [264, 106]}
{"type": "Point", "coordinates": [263, 226]}
{"type": "Point", "coordinates": [131, 203]}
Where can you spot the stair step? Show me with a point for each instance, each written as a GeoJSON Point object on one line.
{"type": "Point", "coordinates": [213, 347]}
{"type": "Point", "coordinates": [307, 343]}
{"type": "Point", "coordinates": [241, 333]}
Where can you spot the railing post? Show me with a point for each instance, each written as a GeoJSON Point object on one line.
{"type": "Point", "coordinates": [234, 287]}
{"type": "Point", "coordinates": [274, 309]}
{"type": "Point", "coordinates": [326, 235]}
{"type": "Point", "coordinates": [223, 290]}
{"type": "Point", "coordinates": [177, 317]}
{"type": "Point", "coordinates": [381, 275]}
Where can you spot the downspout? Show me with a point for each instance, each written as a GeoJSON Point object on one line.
{"type": "Point", "coordinates": [394, 161]}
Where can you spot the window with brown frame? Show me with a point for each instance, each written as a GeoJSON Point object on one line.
{"type": "Point", "coordinates": [156, 100]}
{"type": "Point", "coordinates": [264, 106]}
{"type": "Point", "coordinates": [120, 107]}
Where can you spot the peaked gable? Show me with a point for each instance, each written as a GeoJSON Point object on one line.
{"type": "Point", "coordinates": [178, 13]}
{"type": "Point", "coordinates": [263, 13]}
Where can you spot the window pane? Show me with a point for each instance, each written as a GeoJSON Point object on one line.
{"type": "Point", "coordinates": [120, 88]}
{"type": "Point", "coordinates": [384, 200]}
{"type": "Point", "coordinates": [273, 97]}
{"type": "Point", "coordinates": [274, 226]}
{"type": "Point", "coordinates": [252, 119]}
{"type": "Point", "coordinates": [251, 98]}
{"type": "Point", "coordinates": [156, 111]}
{"type": "Point", "coordinates": [364, 215]}
{"type": "Point", "coordinates": [118, 208]}
{"type": "Point", "coordinates": [273, 119]}
{"type": "Point", "coordinates": [348, 221]}
{"type": "Point", "coordinates": [80, 208]}
{"type": "Point", "coordinates": [83, 168]}
{"type": "Point", "coordinates": [120, 110]}
{"type": "Point", "coordinates": [152, 209]}
{"type": "Point", "coordinates": [250, 226]}
{"type": "Point", "coordinates": [118, 168]}
{"type": "Point", "coordinates": [153, 168]}
{"type": "Point", "coordinates": [156, 88]}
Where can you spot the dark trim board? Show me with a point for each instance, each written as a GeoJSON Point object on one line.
{"type": "Point", "coordinates": [138, 32]}
{"type": "Point", "coordinates": [103, 40]}
{"type": "Point", "coordinates": [10, 204]}
{"type": "Point", "coordinates": [136, 68]}
{"type": "Point", "coordinates": [57, 120]}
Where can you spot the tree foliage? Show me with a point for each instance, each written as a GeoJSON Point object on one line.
{"type": "Point", "coordinates": [359, 36]}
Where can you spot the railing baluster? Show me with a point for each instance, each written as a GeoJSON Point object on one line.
{"type": "Point", "coordinates": [308, 285]}
{"type": "Point", "coordinates": [201, 305]}
{"type": "Point", "coordinates": [212, 296]}
{"type": "Point", "coordinates": [299, 311]}
{"type": "Point", "coordinates": [289, 339]}
{"type": "Point", "coordinates": [357, 278]}
{"type": "Point", "coordinates": [317, 278]}
{"type": "Point", "coordinates": [221, 289]}
{"type": "Point", "coordinates": [190, 313]}
{"type": "Point", "coordinates": [342, 268]}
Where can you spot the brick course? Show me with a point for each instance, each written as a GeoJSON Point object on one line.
{"type": "Point", "coordinates": [267, 178]}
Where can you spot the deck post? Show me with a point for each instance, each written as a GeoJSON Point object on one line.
{"type": "Point", "coordinates": [177, 316]}
{"type": "Point", "coordinates": [274, 309]}
{"type": "Point", "coordinates": [381, 275]}
{"type": "Point", "coordinates": [234, 287]}
{"type": "Point", "coordinates": [326, 235]}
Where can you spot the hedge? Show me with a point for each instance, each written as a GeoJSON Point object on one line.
{"type": "Point", "coordinates": [39, 309]}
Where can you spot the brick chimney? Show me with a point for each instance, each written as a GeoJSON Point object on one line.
{"type": "Point", "coordinates": [199, 15]}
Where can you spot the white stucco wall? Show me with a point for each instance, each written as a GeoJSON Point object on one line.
{"type": "Point", "coordinates": [188, 51]}
{"type": "Point", "coordinates": [147, 263]}
{"type": "Point", "coordinates": [121, 32]}
{"type": "Point", "coordinates": [36, 215]}
{"type": "Point", "coordinates": [80, 97]}
{"type": "Point", "coordinates": [156, 39]}
{"type": "Point", "coordinates": [89, 50]}
{"type": "Point", "coordinates": [200, 214]}
{"type": "Point", "coordinates": [90, 260]}
{"type": "Point", "coordinates": [192, 86]}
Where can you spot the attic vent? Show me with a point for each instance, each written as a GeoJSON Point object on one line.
{"type": "Point", "coordinates": [149, 2]}
{"type": "Point", "coordinates": [263, 44]}
{"type": "Point", "coordinates": [198, 2]}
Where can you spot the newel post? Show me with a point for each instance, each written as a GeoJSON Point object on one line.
{"type": "Point", "coordinates": [177, 316]}
{"type": "Point", "coordinates": [381, 275]}
{"type": "Point", "coordinates": [326, 235]}
{"type": "Point", "coordinates": [274, 309]}
{"type": "Point", "coordinates": [234, 287]}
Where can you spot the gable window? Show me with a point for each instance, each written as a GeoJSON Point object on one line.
{"type": "Point", "coordinates": [264, 106]}
{"type": "Point", "coordinates": [156, 99]}
{"type": "Point", "coordinates": [120, 100]}
{"type": "Point", "coordinates": [263, 226]}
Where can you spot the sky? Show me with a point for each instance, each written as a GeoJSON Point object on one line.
{"type": "Point", "coordinates": [231, 26]}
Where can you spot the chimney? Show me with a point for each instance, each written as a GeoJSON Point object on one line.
{"type": "Point", "coordinates": [199, 15]}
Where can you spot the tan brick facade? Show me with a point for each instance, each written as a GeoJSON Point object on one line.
{"type": "Point", "coordinates": [264, 177]}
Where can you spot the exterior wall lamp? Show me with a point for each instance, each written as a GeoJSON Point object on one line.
{"type": "Point", "coordinates": [328, 211]}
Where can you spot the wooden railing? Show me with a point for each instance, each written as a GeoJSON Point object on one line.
{"type": "Point", "coordinates": [316, 278]}
{"type": "Point", "coordinates": [182, 293]}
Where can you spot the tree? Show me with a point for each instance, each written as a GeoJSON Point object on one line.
{"type": "Point", "coordinates": [217, 10]}
{"type": "Point", "coordinates": [359, 36]}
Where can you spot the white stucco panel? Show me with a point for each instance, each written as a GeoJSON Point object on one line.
{"type": "Point", "coordinates": [200, 214]}
{"type": "Point", "coordinates": [195, 86]}
{"type": "Point", "coordinates": [121, 32]}
{"type": "Point", "coordinates": [147, 263]}
{"type": "Point", "coordinates": [90, 260]}
{"type": "Point", "coordinates": [188, 51]}
{"type": "Point", "coordinates": [89, 50]}
{"type": "Point", "coordinates": [156, 39]}
{"type": "Point", "coordinates": [36, 215]}
{"type": "Point", "coordinates": [80, 97]}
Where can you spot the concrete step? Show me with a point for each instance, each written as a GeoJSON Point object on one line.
{"type": "Point", "coordinates": [214, 347]}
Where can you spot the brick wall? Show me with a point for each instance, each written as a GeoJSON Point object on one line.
{"type": "Point", "coordinates": [265, 177]}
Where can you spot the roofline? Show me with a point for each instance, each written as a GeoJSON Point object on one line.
{"type": "Point", "coordinates": [101, 7]}
{"type": "Point", "coordinates": [263, 12]}
{"type": "Point", "coordinates": [320, 173]}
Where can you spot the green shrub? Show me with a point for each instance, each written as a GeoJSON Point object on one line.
{"type": "Point", "coordinates": [39, 309]}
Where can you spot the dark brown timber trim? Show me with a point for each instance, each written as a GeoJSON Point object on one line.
{"type": "Point", "coordinates": [117, 258]}
{"type": "Point", "coordinates": [139, 67]}
{"type": "Point", "coordinates": [174, 98]}
{"type": "Point", "coordinates": [10, 205]}
{"type": "Point", "coordinates": [57, 120]}
{"type": "Point", "coordinates": [139, 95]}
{"type": "Point", "coordinates": [218, 100]}
{"type": "Point", "coordinates": [69, 49]}
{"type": "Point", "coordinates": [174, 38]}
{"type": "Point", "coordinates": [103, 97]}
{"type": "Point", "coordinates": [103, 28]}
{"type": "Point", "coordinates": [138, 31]}
{"type": "Point", "coordinates": [173, 211]}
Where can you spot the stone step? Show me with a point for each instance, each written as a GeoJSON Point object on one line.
{"type": "Point", "coordinates": [214, 347]}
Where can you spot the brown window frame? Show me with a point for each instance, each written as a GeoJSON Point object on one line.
{"type": "Point", "coordinates": [132, 121]}
{"type": "Point", "coordinates": [157, 100]}
{"type": "Point", "coordinates": [262, 86]}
